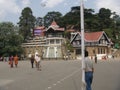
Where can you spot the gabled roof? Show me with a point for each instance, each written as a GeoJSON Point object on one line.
{"type": "Point", "coordinates": [54, 24]}
{"type": "Point", "coordinates": [55, 27]}
{"type": "Point", "coordinates": [91, 36]}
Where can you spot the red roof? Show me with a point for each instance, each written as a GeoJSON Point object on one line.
{"type": "Point", "coordinates": [55, 27]}
{"type": "Point", "coordinates": [93, 36]}
{"type": "Point", "coordinates": [54, 24]}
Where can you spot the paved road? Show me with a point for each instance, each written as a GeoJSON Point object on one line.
{"type": "Point", "coordinates": [107, 75]}
{"type": "Point", "coordinates": [58, 75]}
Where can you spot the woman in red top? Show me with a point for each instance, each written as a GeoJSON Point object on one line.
{"type": "Point", "coordinates": [16, 60]}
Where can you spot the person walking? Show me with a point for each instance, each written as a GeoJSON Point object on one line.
{"type": "Point", "coordinates": [32, 59]}
{"type": "Point", "coordinates": [16, 60]}
{"type": "Point", "coordinates": [11, 61]}
{"type": "Point", "coordinates": [89, 69]}
{"type": "Point", "coordinates": [95, 58]}
{"type": "Point", "coordinates": [38, 59]}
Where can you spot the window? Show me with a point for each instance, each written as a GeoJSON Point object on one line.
{"type": "Point", "coordinates": [57, 41]}
{"type": "Point", "coordinates": [51, 41]}
{"type": "Point", "coordinates": [98, 50]}
{"type": "Point", "coordinates": [78, 43]}
{"type": "Point", "coordinates": [104, 50]}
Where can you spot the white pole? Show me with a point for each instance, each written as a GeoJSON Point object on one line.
{"type": "Point", "coordinates": [82, 44]}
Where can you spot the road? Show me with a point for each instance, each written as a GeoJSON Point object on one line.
{"type": "Point", "coordinates": [58, 75]}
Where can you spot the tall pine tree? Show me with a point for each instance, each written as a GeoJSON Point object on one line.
{"type": "Point", "coordinates": [26, 23]}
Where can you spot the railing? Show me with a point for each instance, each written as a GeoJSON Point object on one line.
{"type": "Point", "coordinates": [52, 52]}
{"type": "Point", "coordinates": [90, 45]}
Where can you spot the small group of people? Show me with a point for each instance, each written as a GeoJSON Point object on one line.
{"type": "Point", "coordinates": [13, 60]}
{"type": "Point", "coordinates": [36, 59]}
{"type": "Point", "coordinates": [4, 58]}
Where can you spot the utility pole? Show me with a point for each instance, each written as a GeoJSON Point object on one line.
{"type": "Point", "coordinates": [82, 43]}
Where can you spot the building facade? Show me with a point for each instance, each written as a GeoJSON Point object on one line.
{"type": "Point", "coordinates": [54, 40]}
{"type": "Point", "coordinates": [46, 41]}
{"type": "Point", "coordinates": [50, 43]}
{"type": "Point", "coordinates": [97, 43]}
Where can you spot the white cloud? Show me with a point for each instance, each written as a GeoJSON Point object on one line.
{"type": "Point", "coordinates": [8, 6]}
{"type": "Point", "coordinates": [113, 5]}
{"type": "Point", "coordinates": [11, 7]}
{"type": "Point", "coordinates": [51, 3]}
{"type": "Point", "coordinates": [65, 4]}
{"type": "Point", "coordinates": [25, 3]}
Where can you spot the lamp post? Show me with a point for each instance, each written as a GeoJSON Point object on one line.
{"type": "Point", "coordinates": [82, 43]}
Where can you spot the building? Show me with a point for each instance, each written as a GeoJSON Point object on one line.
{"type": "Point", "coordinates": [39, 31]}
{"type": "Point", "coordinates": [54, 41]}
{"type": "Point", "coordinates": [50, 43]}
{"type": "Point", "coordinates": [97, 43]}
{"type": "Point", "coordinates": [35, 44]}
{"type": "Point", "coordinates": [46, 41]}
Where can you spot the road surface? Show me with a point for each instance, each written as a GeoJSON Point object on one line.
{"type": "Point", "coordinates": [58, 75]}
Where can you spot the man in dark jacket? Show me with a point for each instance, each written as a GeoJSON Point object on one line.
{"type": "Point", "coordinates": [32, 59]}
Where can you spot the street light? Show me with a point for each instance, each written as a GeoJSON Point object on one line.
{"type": "Point", "coordinates": [82, 43]}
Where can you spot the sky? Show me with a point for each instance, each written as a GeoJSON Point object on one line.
{"type": "Point", "coordinates": [10, 10]}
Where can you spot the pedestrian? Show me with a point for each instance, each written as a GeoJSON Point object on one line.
{"type": "Point", "coordinates": [36, 53]}
{"type": "Point", "coordinates": [32, 59]}
{"type": "Point", "coordinates": [95, 59]}
{"type": "Point", "coordinates": [38, 59]}
{"type": "Point", "coordinates": [89, 69]}
{"type": "Point", "coordinates": [1, 58]}
{"type": "Point", "coordinates": [16, 60]}
{"type": "Point", "coordinates": [11, 61]}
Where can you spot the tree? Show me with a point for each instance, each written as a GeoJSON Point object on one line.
{"type": "Point", "coordinates": [39, 21]}
{"type": "Point", "coordinates": [50, 16]}
{"type": "Point", "coordinates": [6, 29]}
{"type": "Point", "coordinates": [10, 40]}
{"type": "Point", "coordinates": [26, 23]}
{"type": "Point", "coordinates": [91, 20]}
{"type": "Point", "coordinates": [72, 18]}
{"type": "Point", "coordinates": [104, 18]}
{"type": "Point", "coordinates": [116, 29]}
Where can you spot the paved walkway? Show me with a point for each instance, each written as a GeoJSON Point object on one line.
{"type": "Point", "coordinates": [58, 75]}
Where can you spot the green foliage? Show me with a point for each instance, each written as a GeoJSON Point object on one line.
{"type": "Point", "coordinates": [104, 18]}
{"type": "Point", "coordinates": [109, 32]}
{"type": "Point", "coordinates": [10, 40]}
{"type": "Point", "coordinates": [72, 18]}
{"type": "Point", "coordinates": [69, 46]}
{"type": "Point", "coordinates": [50, 16]}
{"type": "Point", "coordinates": [67, 35]}
{"type": "Point", "coordinates": [26, 23]}
{"type": "Point", "coordinates": [39, 21]}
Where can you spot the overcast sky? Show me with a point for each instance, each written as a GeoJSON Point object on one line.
{"type": "Point", "coordinates": [10, 10]}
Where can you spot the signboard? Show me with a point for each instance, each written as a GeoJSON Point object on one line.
{"type": "Point", "coordinates": [37, 32]}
